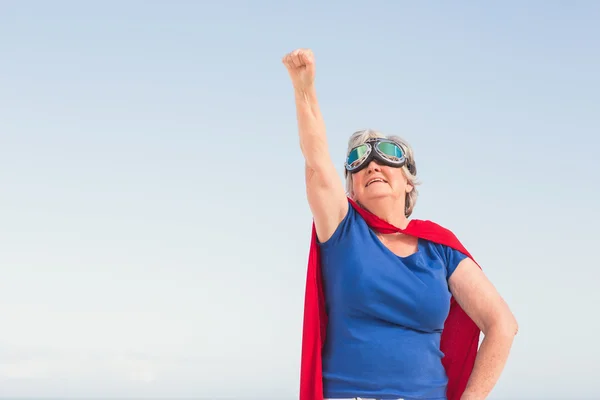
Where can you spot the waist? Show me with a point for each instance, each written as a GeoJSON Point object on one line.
{"type": "Point", "coordinates": [362, 398]}
{"type": "Point", "coordinates": [361, 361]}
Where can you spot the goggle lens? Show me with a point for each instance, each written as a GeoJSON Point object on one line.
{"type": "Point", "coordinates": [357, 154]}
{"type": "Point", "coordinates": [391, 150]}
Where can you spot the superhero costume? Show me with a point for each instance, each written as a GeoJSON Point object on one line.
{"type": "Point", "coordinates": [459, 339]}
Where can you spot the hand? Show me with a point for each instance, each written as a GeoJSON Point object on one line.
{"type": "Point", "coordinates": [300, 65]}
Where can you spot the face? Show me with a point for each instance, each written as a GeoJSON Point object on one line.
{"type": "Point", "coordinates": [377, 181]}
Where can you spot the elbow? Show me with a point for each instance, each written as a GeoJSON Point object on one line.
{"type": "Point", "coordinates": [505, 327]}
{"type": "Point", "coordinates": [319, 163]}
{"type": "Point", "coordinates": [315, 152]}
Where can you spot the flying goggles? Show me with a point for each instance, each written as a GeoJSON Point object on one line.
{"type": "Point", "coordinates": [383, 151]}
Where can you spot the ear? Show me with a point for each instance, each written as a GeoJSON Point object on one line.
{"type": "Point", "coordinates": [409, 187]}
{"type": "Point", "coordinates": [351, 193]}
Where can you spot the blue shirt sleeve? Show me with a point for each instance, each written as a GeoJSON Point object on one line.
{"type": "Point", "coordinates": [342, 230]}
{"type": "Point", "coordinates": [452, 259]}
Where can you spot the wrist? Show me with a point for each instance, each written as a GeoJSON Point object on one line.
{"type": "Point", "coordinates": [306, 94]}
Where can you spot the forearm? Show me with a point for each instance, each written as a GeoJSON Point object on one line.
{"type": "Point", "coordinates": [490, 361]}
{"type": "Point", "coordinates": [311, 129]}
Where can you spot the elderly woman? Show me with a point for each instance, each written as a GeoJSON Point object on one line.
{"type": "Point", "coordinates": [402, 303]}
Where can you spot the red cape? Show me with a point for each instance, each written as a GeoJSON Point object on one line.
{"type": "Point", "coordinates": [460, 337]}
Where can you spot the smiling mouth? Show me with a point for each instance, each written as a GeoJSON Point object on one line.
{"type": "Point", "coordinates": [375, 181]}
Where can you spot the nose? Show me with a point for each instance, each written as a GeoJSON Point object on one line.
{"type": "Point", "coordinates": [373, 167]}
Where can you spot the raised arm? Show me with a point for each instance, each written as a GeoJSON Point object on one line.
{"type": "Point", "coordinates": [324, 188]}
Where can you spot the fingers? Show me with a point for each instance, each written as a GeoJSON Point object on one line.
{"type": "Point", "coordinates": [295, 59]}
{"type": "Point", "coordinates": [292, 60]}
{"type": "Point", "coordinates": [298, 58]}
{"type": "Point", "coordinates": [307, 57]}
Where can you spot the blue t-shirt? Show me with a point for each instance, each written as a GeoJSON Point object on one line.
{"type": "Point", "coordinates": [386, 315]}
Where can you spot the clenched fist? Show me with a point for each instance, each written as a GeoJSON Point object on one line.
{"type": "Point", "coordinates": [300, 65]}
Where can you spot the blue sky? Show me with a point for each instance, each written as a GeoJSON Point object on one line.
{"type": "Point", "coordinates": [153, 218]}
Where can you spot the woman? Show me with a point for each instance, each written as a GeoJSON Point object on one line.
{"type": "Point", "coordinates": [394, 307]}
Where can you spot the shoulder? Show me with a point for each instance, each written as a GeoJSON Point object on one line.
{"type": "Point", "coordinates": [432, 229]}
{"type": "Point", "coordinates": [345, 228]}
{"type": "Point", "coordinates": [442, 239]}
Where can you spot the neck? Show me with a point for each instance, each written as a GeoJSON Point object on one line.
{"type": "Point", "coordinates": [390, 210]}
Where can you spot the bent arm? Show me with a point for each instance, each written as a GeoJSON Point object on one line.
{"type": "Point", "coordinates": [484, 305]}
{"type": "Point", "coordinates": [324, 188]}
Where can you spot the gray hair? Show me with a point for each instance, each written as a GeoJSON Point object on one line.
{"type": "Point", "coordinates": [360, 137]}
